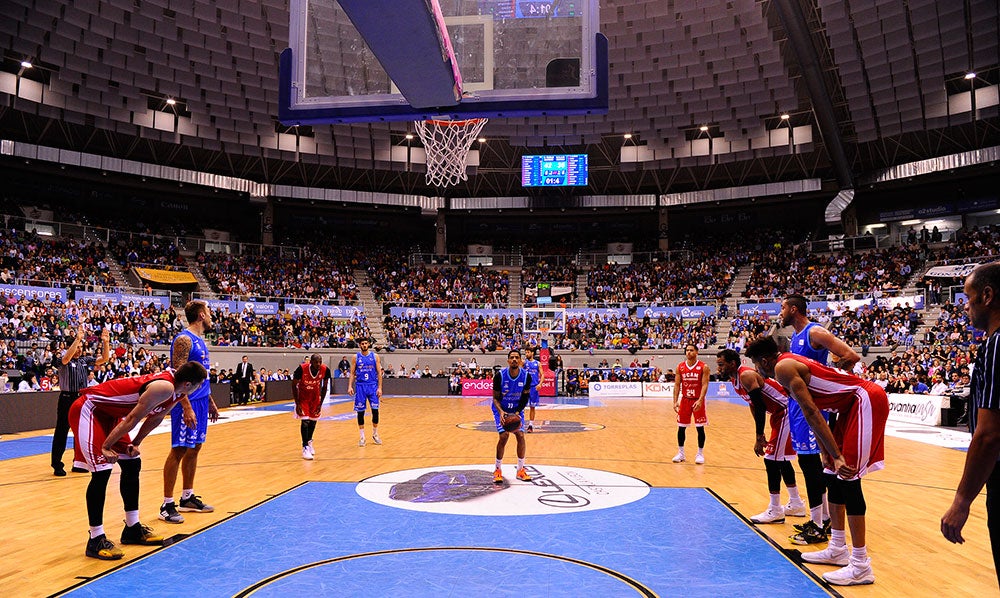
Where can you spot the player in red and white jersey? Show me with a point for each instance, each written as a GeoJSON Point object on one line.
{"type": "Point", "coordinates": [311, 382]}
{"type": "Point", "coordinates": [690, 388]}
{"type": "Point", "coordinates": [101, 419]}
{"type": "Point", "coordinates": [852, 449]}
{"type": "Point", "coordinates": [767, 397]}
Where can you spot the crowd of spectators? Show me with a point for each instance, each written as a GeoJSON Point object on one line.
{"type": "Point", "coordinates": [298, 330]}
{"type": "Point", "coordinates": [595, 331]}
{"type": "Point", "coordinates": [132, 250]}
{"type": "Point", "coordinates": [953, 327]}
{"type": "Point", "coordinates": [309, 272]}
{"type": "Point", "coordinates": [974, 242]}
{"type": "Point", "coordinates": [787, 270]}
{"type": "Point", "coordinates": [874, 326]}
{"type": "Point", "coordinates": [28, 258]}
{"type": "Point", "coordinates": [691, 279]}
{"type": "Point", "coordinates": [745, 327]}
{"type": "Point", "coordinates": [423, 285]}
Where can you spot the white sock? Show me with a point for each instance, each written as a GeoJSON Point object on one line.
{"type": "Point", "coordinates": [701, 451]}
{"type": "Point", "coordinates": [816, 513]}
{"type": "Point", "coordinates": [838, 538]}
{"type": "Point", "coordinates": [187, 493]}
{"type": "Point", "coordinates": [499, 463]}
{"type": "Point", "coordinates": [775, 501]}
{"type": "Point", "coordinates": [362, 432]}
{"type": "Point", "coordinates": [680, 450]}
{"type": "Point", "coordinates": [96, 531]}
{"type": "Point", "coordinates": [168, 500]}
{"type": "Point", "coordinates": [520, 463]}
{"type": "Point", "coordinates": [859, 554]}
{"type": "Point", "coordinates": [793, 493]}
{"type": "Point", "coordinates": [131, 518]}
{"type": "Point", "coordinates": [531, 422]}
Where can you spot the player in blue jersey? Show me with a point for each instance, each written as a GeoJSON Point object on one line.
{"type": "Point", "coordinates": [511, 391]}
{"type": "Point", "coordinates": [365, 384]}
{"type": "Point", "coordinates": [189, 418]}
{"type": "Point", "coordinates": [817, 343]}
{"type": "Point", "coordinates": [534, 369]}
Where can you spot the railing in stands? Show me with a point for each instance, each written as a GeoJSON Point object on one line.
{"type": "Point", "coordinates": [275, 299]}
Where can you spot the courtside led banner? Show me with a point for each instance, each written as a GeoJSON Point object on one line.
{"type": "Point", "coordinates": [483, 387]}
{"type": "Point", "coordinates": [916, 409]}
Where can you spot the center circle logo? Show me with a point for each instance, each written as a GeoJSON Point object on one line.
{"type": "Point", "coordinates": [469, 490]}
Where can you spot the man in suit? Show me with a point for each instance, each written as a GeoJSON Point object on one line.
{"type": "Point", "coordinates": [245, 374]}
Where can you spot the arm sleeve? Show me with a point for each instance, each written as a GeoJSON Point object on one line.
{"type": "Point", "coordinates": [525, 394]}
{"type": "Point", "coordinates": [496, 386]}
{"type": "Point", "coordinates": [758, 408]}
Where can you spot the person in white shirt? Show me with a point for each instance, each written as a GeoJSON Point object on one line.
{"type": "Point", "coordinates": [939, 388]}
{"type": "Point", "coordinates": [28, 383]}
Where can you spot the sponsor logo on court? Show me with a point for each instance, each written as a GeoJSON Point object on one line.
{"type": "Point", "coordinates": [540, 427]}
{"type": "Point", "coordinates": [469, 490]}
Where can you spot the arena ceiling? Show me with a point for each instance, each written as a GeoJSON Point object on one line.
{"type": "Point", "coordinates": [865, 84]}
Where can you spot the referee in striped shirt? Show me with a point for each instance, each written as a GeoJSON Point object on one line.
{"type": "Point", "coordinates": [982, 288]}
{"type": "Point", "coordinates": [74, 368]}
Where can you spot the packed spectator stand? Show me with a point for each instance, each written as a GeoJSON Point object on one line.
{"type": "Point", "coordinates": [324, 273]}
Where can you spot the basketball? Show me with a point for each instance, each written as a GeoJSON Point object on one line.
{"type": "Point", "coordinates": [512, 422]}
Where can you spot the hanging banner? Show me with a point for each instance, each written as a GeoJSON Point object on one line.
{"type": "Point", "coordinates": [168, 277]}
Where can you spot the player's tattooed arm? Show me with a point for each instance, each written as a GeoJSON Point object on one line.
{"type": "Point", "coordinates": [181, 352]}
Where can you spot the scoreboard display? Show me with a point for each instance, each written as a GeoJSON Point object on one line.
{"type": "Point", "coordinates": [565, 170]}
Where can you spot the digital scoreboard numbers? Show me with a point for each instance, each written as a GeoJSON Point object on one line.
{"type": "Point", "coordinates": [567, 170]}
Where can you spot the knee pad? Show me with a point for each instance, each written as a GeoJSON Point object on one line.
{"type": "Point", "coordinates": [361, 418]}
{"type": "Point", "coordinates": [374, 416]}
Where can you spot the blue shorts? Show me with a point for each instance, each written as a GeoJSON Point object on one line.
{"type": "Point", "coordinates": [533, 398]}
{"type": "Point", "coordinates": [365, 394]}
{"type": "Point", "coordinates": [180, 434]}
{"type": "Point", "coordinates": [803, 438]}
{"type": "Point", "coordinates": [496, 420]}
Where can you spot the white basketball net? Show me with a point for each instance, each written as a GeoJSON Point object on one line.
{"type": "Point", "coordinates": [447, 144]}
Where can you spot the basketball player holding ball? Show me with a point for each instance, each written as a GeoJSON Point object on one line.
{"type": "Point", "coordinates": [511, 390]}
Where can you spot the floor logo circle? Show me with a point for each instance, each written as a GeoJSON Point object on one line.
{"type": "Point", "coordinates": [469, 490]}
{"type": "Point", "coordinates": [539, 427]}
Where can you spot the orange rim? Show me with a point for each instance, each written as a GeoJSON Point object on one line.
{"type": "Point", "coordinates": [452, 123]}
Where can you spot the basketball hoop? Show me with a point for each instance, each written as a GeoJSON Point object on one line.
{"type": "Point", "coordinates": [543, 329]}
{"type": "Point", "coordinates": [447, 143]}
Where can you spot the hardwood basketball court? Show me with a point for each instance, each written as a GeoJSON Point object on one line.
{"type": "Point", "coordinates": [246, 462]}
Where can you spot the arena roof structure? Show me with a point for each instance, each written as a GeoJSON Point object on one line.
{"type": "Point", "coordinates": [704, 94]}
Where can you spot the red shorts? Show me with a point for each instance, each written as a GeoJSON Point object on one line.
{"type": "Point", "coordinates": [779, 446]}
{"type": "Point", "coordinates": [90, 428]}
{"type": "Point", "coordinates": [306, 408]}
{"type": "Point", "coordinates": [687, 409]}
{"type": "Point", "coordinates": [860, 431]}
